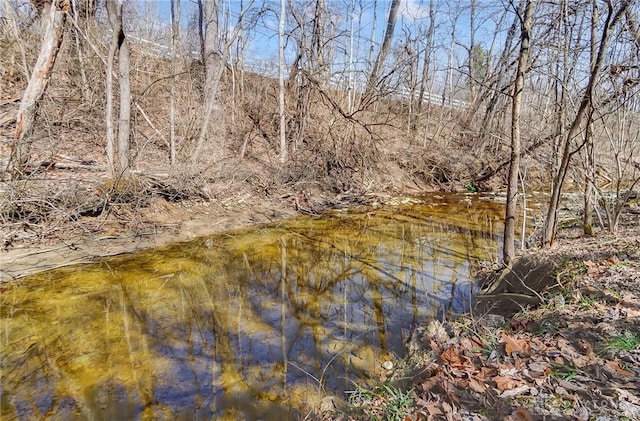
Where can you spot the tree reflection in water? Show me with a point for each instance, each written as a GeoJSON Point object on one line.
{"type": "Point", "coordinates": [253, 324]}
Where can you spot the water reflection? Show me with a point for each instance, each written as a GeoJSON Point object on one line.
{"type": "Point", "coordinates": [254, 324]}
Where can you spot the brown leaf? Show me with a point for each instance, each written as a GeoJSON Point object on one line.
{"type": "Point", "coordinates": [586, 348]}
{"type": "Point", "coordinates": [430, 383]}
{"type": "Point", "coordinates": [452, 357]}
{"type": "Point", "coordinates": [520, 414]}
{"type": "Point", "coordinates": [592, 268]}
{"type": "Point", "coordinates": [479, 343]}
{"type": "Point", "coordinates": [486, 372]}
{"type": "Point", "coordinates": [505, 383]}
{"type": "Point", "coordinates": [538, 369]}
{"type": "Point", "coordinates": [615, 366]}
{"type": "Point", "coordinates": [468, 344]}
{"type": "Point", "coordinates": [477, 386]}
{"type": "Point", "coordinates": [580, 361]}
{"type": "Point", "coordinates": [632, 314]}
{"type": "Point", "coordinates": [524, 324]}
{"type": "Point", "coordinates": [512, 345]}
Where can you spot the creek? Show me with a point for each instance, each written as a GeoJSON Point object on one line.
{"type": "Point", "coordinates": [251, 324]}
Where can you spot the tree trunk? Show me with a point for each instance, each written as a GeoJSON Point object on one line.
{"type": "Point", "coordinates": [550, 226]}
{"type": "Point", "coordinates": [124, 120]}
{"type": "Point", "coordinates": [590, 169]}
{"type": "Point", "coordinates": [108, 114]}
{"type": "Point", "coordinates": [120, 45]}
{"type": "Point", "coordinates": [175, 37]}
{"type": "Point", "coordinates": [514, 167]}
{"type": "Point", "coordinates": [384, 50]}
{"type": "Point", "coordinates": [55, 15]}
{"type": "Point", "coordinates": [214, 59]}
{"type": "Point", "coordinates": [426, 62]}
{"type": "Point", "coordinates": [213, 68]}
{"type": "Point", "coordinates": [281, 87]}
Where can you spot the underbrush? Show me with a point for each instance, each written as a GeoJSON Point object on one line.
{"type": "Point", "coordinates": [47, 205]}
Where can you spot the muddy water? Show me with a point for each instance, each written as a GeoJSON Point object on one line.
{"type": "Point", "coordinates": [254, 324]}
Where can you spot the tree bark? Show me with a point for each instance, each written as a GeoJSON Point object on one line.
{"type": "Point", "coordinates": [384, 50]}
{"type": "Point", "coordinates": [426, 62]}
{"type": "Point", "coordinates": [55, 15]}
{"type": "Point", "coordinates": [213, 68]}
{"type": "Point", "coordinates": [214, 59]}
{"type": "Point", "coordinates": [590, 170]}
{"type": "Point", "coordinates": [120, 45]}
{"type": "Point", "coordinates": [175, 37]}
{"type": "Point", "coordinates": [124, 120]}
{"type": "Point", "coordinates": [281, 85]}
{"type": "Point", "coordinates": [514, 167]}
{"type": "Point", "coordinates": [108, 112]}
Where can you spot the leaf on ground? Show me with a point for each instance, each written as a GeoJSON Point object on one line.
{"type": "Point", "coordinates": [520, 414]}
{"type": "Point", "coordinates": [486, 373]}
{"type": "Point", "coordinates": [523, 324]}
{"type": "Point", "coordinates": [581, 414]}
{"type": "Point", "coordinates": [430, 383]}
{"type": "Point", "coordinates": [629, 410]}
{"type": "Point", "coordinates": [615, 368]}
{"type": "Point", "coordinates": [581, 361]}
{"type": "Point", "coordinates": [538, 369]}
{"type": "Point", "coordinates": [512, 345]}
{"type": "Point", "coordinates": [472, 344]}
{"type": "Point", "coordinates": [537, 345]}
{"type": "Point", "coordinates": [592, 268]}
{"type": "Point", "coordinates": [568, 386]}
{"type": "Point", "coordinates": [453, 357]}
{"type": "Point", "coordinates": [586, 348]}
{"type": "Point", "coordinates": [477, 386]}
{"type": "Point", "coordinates": [517, 391]}
{"type": "Point", "coordinates": [506, 383]}
{"type": "Point", "coordinates": [624, 394]}
{"type": "Point", "coordinates": [434, 409]}
{"type": "Point", "coordinates": [632, 314]}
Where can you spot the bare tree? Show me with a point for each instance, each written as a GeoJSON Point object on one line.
{"type": "Point", "coordinates": [426, 60]}
{"type": "Point", "coordinates": [175, 38]}
{"type": "Point", "coordinates": [53, 17]}
{"type": "Point", "coordinates": [214, 58]}
{"type": "Point", "coordinates": [587, 220]}
{"type": "Point", "coordinates": [119, 45]}
{"type": "Point", "coordinates": [384, 50]}
{"type": "Point", "coordinates": [514, 167]}
{"type": "Point", "coordinates": [567, 148]}
{"type": "Point", "coordinates": [213, 68]}
{"type": "Point", "coordinates": [281, 85]}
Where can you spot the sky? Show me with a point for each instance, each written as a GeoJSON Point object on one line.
{"type": "Point", "coordinates": [366, 25]}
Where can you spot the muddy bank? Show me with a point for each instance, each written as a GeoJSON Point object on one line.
{"type": "Point", "coordinates": [159, 223]}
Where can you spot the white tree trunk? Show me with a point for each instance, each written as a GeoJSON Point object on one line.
{"type": "Point", "coordinates": [508, 250]}
{"type": "Point", "coordinates": [54, 15]}
{"type": "Point", "coordinates": [281, 90]}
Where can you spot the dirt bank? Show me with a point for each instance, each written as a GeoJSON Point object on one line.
{"type": "Point", "coordinates": [159, 223]}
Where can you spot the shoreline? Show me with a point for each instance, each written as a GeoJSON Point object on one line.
{"type": "Point", "coordinates": [574, 356]}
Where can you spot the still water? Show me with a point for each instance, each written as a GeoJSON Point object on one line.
{"type": "Point", "coordinates": [253, 324]}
